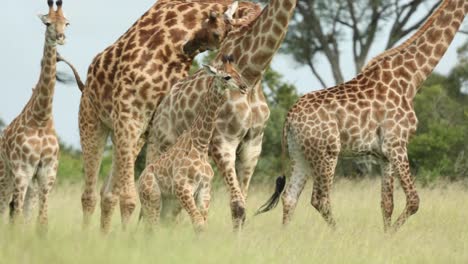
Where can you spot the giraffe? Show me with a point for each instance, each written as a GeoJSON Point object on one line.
{"type": "Point", "coordinates": [372, 114]}
{"type": "Point", "coordinates": [126, 82]}
{"type": "Point", "coordinates": [29, 145]}
{"type": "Point", "coordinates": [237, 140]}
{"type": "Point", "coordinates": [184, 170]}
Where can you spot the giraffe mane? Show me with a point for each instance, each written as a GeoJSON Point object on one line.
{"type": "Point", "coordinates": [408, 42]}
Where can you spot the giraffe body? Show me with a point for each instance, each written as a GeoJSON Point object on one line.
{"type": "Point", "coordinates": [29, 146]}
{"type": "Point", "coordinates": [372, 114]}
{"type": "Point", "coordinates": [184, 171]}
{"type": "Point", "coordinates": [127, 81]}
{"type": "Point", "coordinates": [237, 139]}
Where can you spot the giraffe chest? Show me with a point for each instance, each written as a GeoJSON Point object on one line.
{"type": "Point", "coordinates": [26, 146]}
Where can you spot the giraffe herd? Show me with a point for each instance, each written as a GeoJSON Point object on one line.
{"type": "Point", "coordinates": [138, 91]}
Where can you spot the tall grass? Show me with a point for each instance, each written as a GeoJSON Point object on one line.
{"type": "Point", "coordinates": [438, 233]}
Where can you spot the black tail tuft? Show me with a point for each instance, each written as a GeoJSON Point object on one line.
{"type": "Point", "coordinates": [12, 209]}
{"type": "Point", "coordinates": [274, 199]}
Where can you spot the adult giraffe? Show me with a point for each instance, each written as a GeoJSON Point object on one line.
{"type": "Point", "coordinates": [372, 114]}
{"type": "Point", "coordinates": [237, 139]}
{"type": "Point", "coordinates": [126, 83]}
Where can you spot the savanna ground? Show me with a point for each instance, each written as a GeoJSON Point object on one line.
{"type": "Point", "coordinates": [438, 233]}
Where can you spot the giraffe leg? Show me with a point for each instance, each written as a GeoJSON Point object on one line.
{"type": "Point", "coordinates": [6, 188]}
{"type": "Point", "coordinates": [150, 198]}
{"type": "Point", "coordinates": [401, 164]}
{"type": "Point", "coordinates": [224, 155]}
{"type": "Point", "coordinates": [93, 137]}
{"type": "Point", "coordinates": [46, 178]}
{"type": "Point", "coordinates": [31, 200]}
{"type": "Point", "coordinates": [204, 194]}
{"type": "Point", "coordinates": [324, 171]}
{"type": "Point", "coordinates": [248, 154]}
{"type": "Point", "coordinates": [185, 195]}
{"type": "Point", "coordinates": [21, 181]}
{"type": "Point", "coordinates": [299, 175]}
{"type": "Point", "coordinates": [121, 186]}
{"type": "Point", "coordinates": [387, 195]}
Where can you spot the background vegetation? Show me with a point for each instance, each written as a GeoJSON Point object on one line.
{"type": "Point", "coordinates": [436, 234]}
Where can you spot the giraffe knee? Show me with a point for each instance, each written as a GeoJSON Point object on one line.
{"type": "Point", "coordinates": [88, 201]}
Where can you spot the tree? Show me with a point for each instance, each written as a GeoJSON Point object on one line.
{"type": "Point", "coordinates": [322, 27]}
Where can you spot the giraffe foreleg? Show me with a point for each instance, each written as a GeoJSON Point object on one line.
{"type": "Point", "coordinates": [248, 154]}
{"type": "Point", "coordinates": [224, 155]}
{"type": "Point", "coordinates": [185, 194]}
{"type": "Point", "coordinates": [46, 178]}
{"type": "Point", "coordinates": [204, 194]}
{"type": "Point", "coordinates": [31, 200]}
{"type": "Point", "coordinates": [6, 188]}
{"type": "Point", "coordinates": [21, 181]}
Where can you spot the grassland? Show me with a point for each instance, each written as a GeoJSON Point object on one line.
{"type": "Point", "coordinates": [438, 233]}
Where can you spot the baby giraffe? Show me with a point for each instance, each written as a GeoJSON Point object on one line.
{"type": "Point", "coordinates": [184, 171]}
{"type": "Point", "coordinates": [29, 146]}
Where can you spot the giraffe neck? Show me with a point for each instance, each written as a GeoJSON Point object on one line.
{"type": "Point", "coordinates": [254, 49]}
{"type": "Point", "coordinates": [414, 60]}
{"type": "Point", "coordinates": [204, 124]}
{"type": "Point", "coordinates": [42, 99]}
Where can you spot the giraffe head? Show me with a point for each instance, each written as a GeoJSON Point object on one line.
{"type": "Point", "coordinates": [226, 76]}
{"type": "Point", "coordinates": [213, 31]}
{"type": "Point", "coordinates": [56, 23]}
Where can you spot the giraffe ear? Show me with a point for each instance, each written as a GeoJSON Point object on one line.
{"type": "Point", "coordinates": [44, 18]}
{"type": "Point", "coordinates": [210, 70]}
{"type": "Point", "coordinates": [232, 8]}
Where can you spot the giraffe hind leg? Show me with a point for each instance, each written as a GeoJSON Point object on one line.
{"type": "Point", "coordinates": [6, 190]}
{"type": "Point", "coordinates": [150, 199]}
{"type": "Point", "coordinates": [387, 195]}
{"type": "Point", "coordinates": [301, 171]}
{"type": "Point", "coordinates": [93, 137]}
{"type": "Point", "coordinates": [401, 164]}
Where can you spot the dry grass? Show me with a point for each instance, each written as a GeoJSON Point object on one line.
{"type": "Point", "coordinates": [438, 233]}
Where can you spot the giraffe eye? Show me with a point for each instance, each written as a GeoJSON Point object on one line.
{"type": "Point", "coordinates": [227, 78]}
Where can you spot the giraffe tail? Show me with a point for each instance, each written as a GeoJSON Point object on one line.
{"type": "Point", "coordinates": [75, 72]}
{"type": "Point", "coordinates": [274, 199]}
{"type": "Point", "coordinates": [281, 180]}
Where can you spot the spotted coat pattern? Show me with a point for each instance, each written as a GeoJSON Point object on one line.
{"type": "Point", "coordinates": [183, 170]}
{"type": "Point", "coordinates": [237, 140]}
{"type": "Point", "coordinates": [127, 81]}
{"type": "Point", "coordinates": [371, 114]}
{"type": "Point", "coordinates": [29, 146]}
